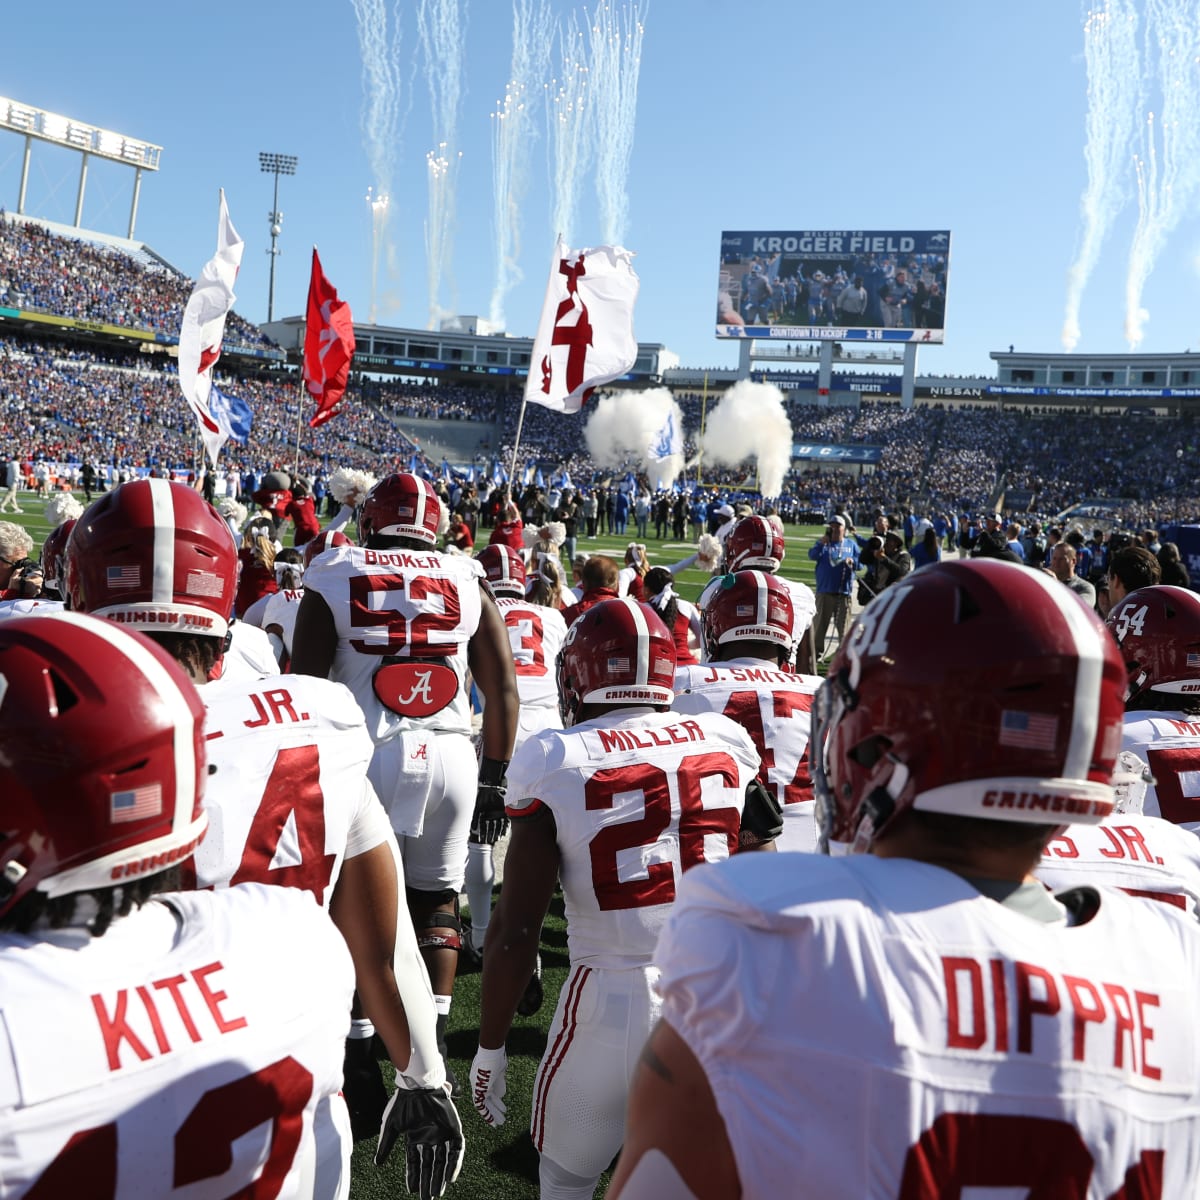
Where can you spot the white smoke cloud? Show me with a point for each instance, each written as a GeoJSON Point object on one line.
{"type": "Point", "coordinates": [750, 425]}
{"type": "Point", "coordinates": [623, 427]}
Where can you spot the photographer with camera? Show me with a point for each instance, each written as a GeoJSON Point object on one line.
{"type": "Point", "coordinates": [17, 566]}
{"type": "Point", "coordinates": [837, 562]}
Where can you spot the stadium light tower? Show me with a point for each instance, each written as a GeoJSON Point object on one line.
{"type": "Point", "coordinates": [275, 164]}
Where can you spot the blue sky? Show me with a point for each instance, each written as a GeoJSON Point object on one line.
{"type": "Point", "coordinates": [925, 115]}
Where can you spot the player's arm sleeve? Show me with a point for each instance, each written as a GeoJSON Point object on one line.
{"type": "Point", "coordinates": [369, 826]}
{"type": "Point", "coordinates": [526, 773]}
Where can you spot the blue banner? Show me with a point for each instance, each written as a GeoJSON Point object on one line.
{"type": "Point", "coordinates": [828, 451]}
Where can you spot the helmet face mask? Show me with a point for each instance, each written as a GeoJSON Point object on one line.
{"type": "Point", "coordinates": [976, 688]}
{"type": "Point", "coordinates": [402, 505]}
{"type": "Point", "coordinates": [154, 555]}
{"type": "Point", "coordinates": [617, 653]}
{"type": "Point", "coordinates": [504, 569]}
{"type": "Point", "coordinates": [1158, 631]}
{"type": "Point", "coordinates": [754, 543]}
{"type": "Point", "coordinates": [748, 606]}
{"type": "Point", "coordinates": [102, 764]}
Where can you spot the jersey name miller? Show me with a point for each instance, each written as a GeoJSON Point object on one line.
{"type": "Point", "coordinates": [646, 739]}
{"type": "Point", "coordinates": [395, 558]}
{"type": "Point", "coordinates": [978, 1012]}
{"type": "Point", "coordinates": [148, 1026]}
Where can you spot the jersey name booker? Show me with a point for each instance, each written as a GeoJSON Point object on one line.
{"type": "Point", "coordinates": [401, 604]}
{"type": "Point", "coordinates": [774, 707]}
{"type": "Point", "coordinates": [638, 797]}
{"type": "Point", "coordinates": [189, 1044]}
{"type": "Point", "coordinates": [949, 1038]}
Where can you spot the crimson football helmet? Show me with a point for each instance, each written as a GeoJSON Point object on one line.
{"type": "Point", "coordinates": [154, 555]}
{"type": "Point", "coordinates": [325, 540]}
{"type": "Point", "coordinates": [748, 606]}
{"type": "Point", "coordinates": [402, 505]}
{"type": "Point", "coordinates": [504, 568]}
{"type": "Point", "coordinates": [975, 687]}
{"type": "Point", "coordinates": [101, 757]}
{"type": "Point", "coordinates": [54, 549]}
{"type": "Point", "coordinates": [1158, 631]}
{"type": "Point", "coordinates": [617, 652]}
{"type": "Point", "coordinates": [754, 542]}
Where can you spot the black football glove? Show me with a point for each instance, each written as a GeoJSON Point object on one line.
{"type": "Point", "coordinates": [362, 1087]}
{"type": "Point", "coordinates": [430, 1126]}
{"type": "Point", "coordinates": [489, 822]}
{"type": "Point", "coordinates": [762, 818]}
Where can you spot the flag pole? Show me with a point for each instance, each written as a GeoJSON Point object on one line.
{"type": "Point", "coordinates": [512, 473]}
{"type": "Point", "coordinates": [299, 418]}
{"type": "Point", "coordinates": [703, 410]}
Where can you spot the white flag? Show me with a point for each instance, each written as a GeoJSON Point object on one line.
{"type": "Point", "coordinates": [585, 336]}
{"type": "Point", "coordinates": [203, 328]}
{"type": "Point", "coordinates": [667, 440]}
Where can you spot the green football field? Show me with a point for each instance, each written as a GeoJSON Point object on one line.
{"type": "Point", "coordinates": [501, 1164]}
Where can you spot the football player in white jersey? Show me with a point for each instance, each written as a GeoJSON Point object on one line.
{"type": "Point", "coordinates": [619, 804]}
{"type": "Point", "coordinates": [758, 544]}
{"type": "Point", "coordinates": [1158, 631]}
{"type": "Point", "coordinates": [747, 629]}
{"type": "Point", "coordinates": [400, 624]}
{"type": "Point", "coordinates": [535, 636]}
{"type": "Point", "coordinates": [289, 803]}
{"type": "Point", "coordinates": [153, 1042]}
{"type": "Point", "coordinates": [923, 1018]}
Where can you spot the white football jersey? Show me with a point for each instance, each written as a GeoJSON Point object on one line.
{"type": "Point", "coordinates": [194, 1050]}
{"type": "Point", "coordinates": [289, 799]}
{"type": "Point", "coordinates": [402, 605]}
{"type": "Point", "coordinates": [29, 608]}
{"type": "Point", "coordinates": [774, 707]}
{"type": "Point", "coordinates": [536, 634]}
{"type": "Point", "coordinates": [281, 610]}
{"type": "Point", "coordinates": [249, 656]}
{"type": "Point", "coordinates": [878, 1028]}
{"type": "Point", "coordinates": [1145, 856]}
{"type": "Point", "coordinates": [1168, 744]}
{"type": "Point", "coordinates": [638, 797]}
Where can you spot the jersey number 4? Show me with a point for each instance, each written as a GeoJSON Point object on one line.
{"type": "Point", "coordinates": [695, 823]}
{"type": "Point", "coordinates": [293, 791]}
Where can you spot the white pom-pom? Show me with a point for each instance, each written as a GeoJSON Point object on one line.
{"type": "Point", "coordinates": [350, 487]}
{"type": "Point", "coordinates": [529, 536]}
{"type": "Point", "coordinates": [555, 533]}
{"type": "Point", "coordinates": [234, 511]}
{"type": "Point", "coordinates": [62, 506]}
{"type": "Point", "coordinates": [443, 518]}
{"type": "Point", "coordinates": [709, 549]}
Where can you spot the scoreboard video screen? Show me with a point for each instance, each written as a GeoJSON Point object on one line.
{"type": "Point", "coordinates": [840, 285]}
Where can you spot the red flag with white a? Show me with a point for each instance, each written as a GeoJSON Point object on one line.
{"type": "Point", "coordinates": [328, 345]}
{"type": "Point", "coordinates": [203, 328]}
{"type": "Point", "coordinates": [585, 336]}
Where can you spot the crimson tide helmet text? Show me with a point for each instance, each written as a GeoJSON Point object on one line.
{"type": "Point", "coordinates": [1158, 630]}
{"type": "Point", "coordinates": [977, 688]}
{"type": "Point", "coordinates": [754, 542]}
{"type": "Point", "coordinates": [618, 652]}
{"type": "Point", "coordinates": [402, 505]}
{"type": "Point", "coordinates": [101, 757]}
{"type": "Point", "coordinates": [504, 569]}
{"type": "Point", "coordinates": [748, 606]}
{"type": "Point", "coordinates": [154, 555]}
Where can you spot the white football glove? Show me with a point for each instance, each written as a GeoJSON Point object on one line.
{"type": "Point", "coordinates": [488, 1084]}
